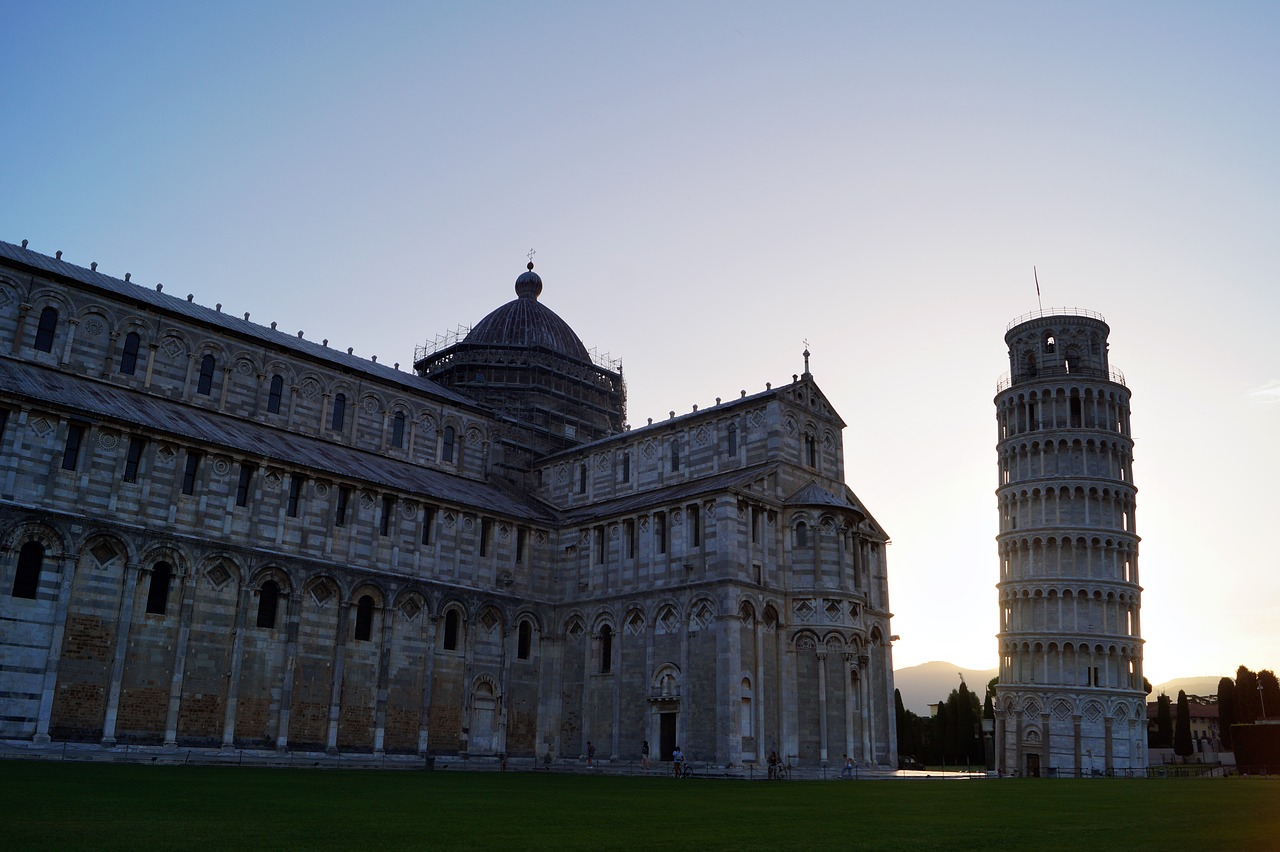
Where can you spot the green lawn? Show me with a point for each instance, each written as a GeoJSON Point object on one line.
{"type": "Point", "coordinates": [103, 806]}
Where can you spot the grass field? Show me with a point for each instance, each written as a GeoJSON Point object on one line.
{"type": "Point", "coordinates": [104, 806]}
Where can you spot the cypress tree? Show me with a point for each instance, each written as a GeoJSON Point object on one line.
{"type": "Point", "coordinates": [1182, 728]}
{"type": "Point", "coordinates": [1163, 735]}
{"type": "Point", "coordinates": [1248, 707]}
{"type": "Point", "coordinates": [1270, 708]}
{"type": "Point", "coordinates": [1226, 710]}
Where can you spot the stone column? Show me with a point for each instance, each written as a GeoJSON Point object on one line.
{"type": "Point", "coordinates": [233, 677]}
{"type": "Point", "coordinates": [222, 391]}
{"type": "Point", "coordinates": [72, 322]}
{"type": "Point", "coordinates": [112, 337]}
{"type": "Point", "coordinates": [66, 575]}
{"type": "Point", "coordinates": [1109, 745]}
{"type": "Point", "coordinates": [1000, 744]}
{"type": "Point", "coordinates": [151, 363]}
{"type": "Point", "coordinates": [290, 668]}
{"type": "Point", "coordinates": [180, 658]}
{"type": "Point", "coordinates": [850, 704]}
{"type": "Point", "coordinates": [430, 623]}
{"type": "Point", "coordinates": [16, 343]}
{"type": "Point", "coordinates": [384, 675]}
{"type": "Point", "coordinates": [822, 705]}
{"type": "Point", "coordinates": [132, 571]}
{"type": "Point", "coordinates": [618, 675]}
{"type": "Point", "coordinates": [1075, 728]}
{"type": "Point", "coordinates": [1047, 763]}
{"type": "Point", "coordinates": [760, 690]}
{"type": "Point", "coordinates": [864, 685]}
{"type": "Point", "coordinates": [335, 685]}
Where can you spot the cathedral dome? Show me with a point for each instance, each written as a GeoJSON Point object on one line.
{"type": "Point", "coordinates": [527, 323]}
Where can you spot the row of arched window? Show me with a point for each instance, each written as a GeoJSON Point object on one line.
{"type": "Point", "coordinates": [128, 364]}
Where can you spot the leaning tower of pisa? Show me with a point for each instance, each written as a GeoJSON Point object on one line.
{"type": "Point", "coordinates": [1070, 697]}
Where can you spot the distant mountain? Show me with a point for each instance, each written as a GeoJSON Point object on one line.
{"type": "Point", "coordinates": [1204, 685]}
{"type": "Point", "coordinates": [929, 683]}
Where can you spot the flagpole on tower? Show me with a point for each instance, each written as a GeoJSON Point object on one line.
{"type": "Point", "coordinates": [1037, 275]}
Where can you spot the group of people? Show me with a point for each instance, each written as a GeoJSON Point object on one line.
{"type": "Point", "coordinates": [777, 771]}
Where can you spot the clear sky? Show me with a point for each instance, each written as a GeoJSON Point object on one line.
{"type": "Point", "coordinates": [708, 185]}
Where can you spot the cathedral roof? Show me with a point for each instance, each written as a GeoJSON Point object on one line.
{"type": "Point", "coordinates": [167, 417]}
{"type": "Point", "coordinates": [813, 494]}
{"type": "Point", "coordinates": [527, 323]}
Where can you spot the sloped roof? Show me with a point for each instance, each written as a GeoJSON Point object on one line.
{"type": "Point", "coordinates": [90, 398]}
{"type": "Point", "coordinates": [655, 498]}
{"type": "Point", "coordinates": [236, 326]}
{"type": "Point", "coordinates": [813, 494]}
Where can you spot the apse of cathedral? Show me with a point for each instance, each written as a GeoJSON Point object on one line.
{"type": "Point", "coordinates": [217, 534]}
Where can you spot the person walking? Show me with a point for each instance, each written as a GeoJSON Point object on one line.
{"type": "Point", "coordinates": [644, 755]}
{"type": "Point", "coordinates": [591, 752]}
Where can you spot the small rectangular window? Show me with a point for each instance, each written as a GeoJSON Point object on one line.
{"type": "Point", "coordinates": [695, 527]}
{"type": "Point", "coordinates": [388, 508]}
{"type": "Point", "coordinates": [520, 537]}
{"type": "Point", "coordinates": [71, 452]}
{"type": "Point", "coordinates": [599, 545]}
{"type": "Point", "coordinates": [631, 539]}
{"type": "Point", "coordinates": [189, 472]}
{"type": "Point", "coordinates": [245, 485]}
{"type": "Point", "coordinates": [344, 497]}
{"type": "Point", "coordinates": [133, 457]}
{"type": "Point", "coordinates": [485, 529]}
{"type": "Point", "coordinates": [626, 466]}
{"type": "Point", "coordinates": [660, 531]}
{"type": "Point", "coordinates": [295, 493]}
{"type": "Point", "coordinates": [428, 519]}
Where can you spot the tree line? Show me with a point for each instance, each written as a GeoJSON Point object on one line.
{"type": "Point", "coordinates": [951, 737]}
{"type": "Point", "coordinates": [1248, 698]}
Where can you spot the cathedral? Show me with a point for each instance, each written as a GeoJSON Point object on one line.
{"type": "Point", "coordinates": [218, 534]}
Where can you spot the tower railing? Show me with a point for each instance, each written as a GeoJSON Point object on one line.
{"type": "Point", "coordinates": [1111, 375]}
{"type": "Point", "coordinates": [1056, 312]}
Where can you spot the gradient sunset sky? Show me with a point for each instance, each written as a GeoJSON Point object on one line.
{"type": "Point", "coordinates": [707, 186]}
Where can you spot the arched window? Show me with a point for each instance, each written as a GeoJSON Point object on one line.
{"type": "Point", "coordinates": [606, 649]}
{"type": "Point", "coordinates": [524, 643]}
{"type": "Point", "coordinates": [339, 412]}
{"type": "Point", "coordinates": [129, 357]}
{"type": "Point", "coordinates": [275, 395]}
{"type": "Point", "coordinates": [364, 618]}
{"type": "Point", "coordinates": [1049, 342]}
{"type": "Point", "coordinates": [451, 630]}
{"type": "Point", "coordinates": [746, 722]}
{"type": "Point", "coordinates": [44, 331]}
{"type": "Point", "coordinates": [810, 451]}
{"type": "Point", "coordinates": [204, 386]}
{"type": "Point", "coordinates": [26, 580]}
{"type": "Point", "coordinates": [802, 534]}
{"type": "Point", "coordinates": [675, 454]}
{"type": "Point", "coordinates": [397, 430]}
{"type": "Point", "coordinates": [158, 591]}
{"type": "Point", "coordinates": [268, 603]}
{"type": "Point", "coordinates": [446, 453]}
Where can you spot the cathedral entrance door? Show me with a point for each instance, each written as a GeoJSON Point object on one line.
{"type": "Point", "coordinates": [482, 713]}
{"type": "Point", "coordinates": [1033, 766]}
{"type": "Point", "coordinates": [666, 735]}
